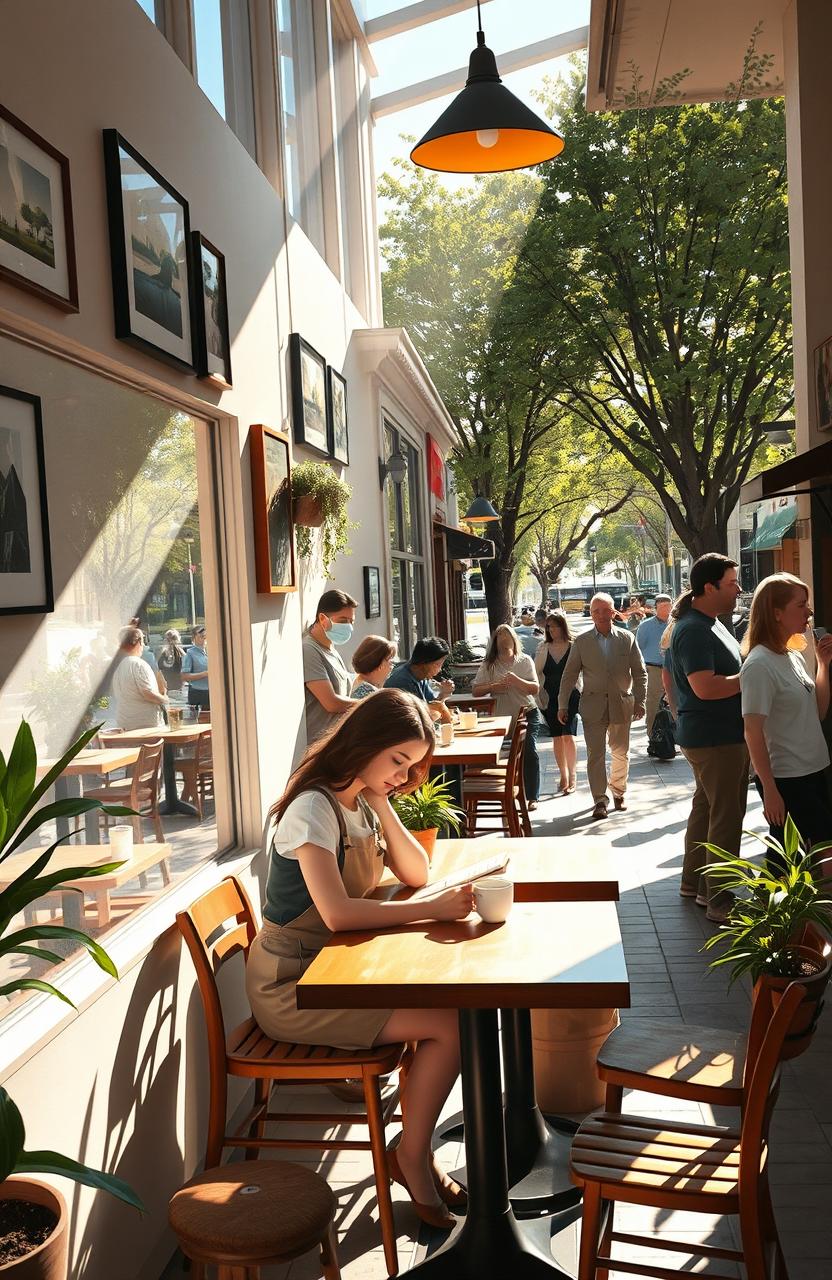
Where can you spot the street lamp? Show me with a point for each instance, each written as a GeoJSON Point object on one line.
{"type": "Point", "coordinates": [188, 535]}
{"type": "Point", "coordinates": [591, 548]}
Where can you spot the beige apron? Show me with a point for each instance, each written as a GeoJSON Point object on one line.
{"type": "Point", "coordinates": [281, 953]}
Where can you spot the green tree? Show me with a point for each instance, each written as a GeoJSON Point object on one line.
{"type": "Point", "coordinates": [657, 263]}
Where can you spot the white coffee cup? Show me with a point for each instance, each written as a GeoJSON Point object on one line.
{"type": "Point", "coordinates": [121, 840]}
{"type": "Point", "coordinates": [446, 734]}
{"type": "Point", "coordinates": [467, 719]}
{"type": "Point", "coordinates": [493, 897]}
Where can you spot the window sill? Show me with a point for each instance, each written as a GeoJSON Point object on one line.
{"type": "Point", "coordinates": [24, 1031]}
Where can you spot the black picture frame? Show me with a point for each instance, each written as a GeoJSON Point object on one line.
{"type": "Point", "coordinates": [337, 428]}
{"type": "Point", "coordinates": [25, 554]}
{"type": "Point", "coordinates": [309, 413]}
{"type": "Point", "coordinates": [43, 263]}
{"type": "Point", "coordinates": [274, 525]}
{"type": "Point", "coordinates": [149, 312]}
{"type": "Point", "coordinates": [372, 591]}
{"type": "Point", "coordinates": [823, 383]}
{"type": "Point", "coordinates": [212, 341]}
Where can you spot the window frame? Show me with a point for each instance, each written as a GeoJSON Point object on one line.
{"type": "Point", "coordinates": [414, 564]}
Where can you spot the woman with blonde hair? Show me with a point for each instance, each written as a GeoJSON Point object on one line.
{"type": "Point", "coordinates": [549, 663]}
{"type": "Point", "coordinates": [510, 674]}
{"type": "Point", "coordinates": [782, 709]}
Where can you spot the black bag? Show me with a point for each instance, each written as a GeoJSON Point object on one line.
{"type": "Point", "coordinates": [662, 743]}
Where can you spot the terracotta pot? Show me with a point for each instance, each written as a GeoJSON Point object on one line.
{"type": "Point", "coordinates": [309, 512]}
{"type": "Point", "coordinates": [565, 1043]}
{"type": "Point", "coordinates": [49, 1260]}
{"type": "Point", "coordinates": [427, 839]}
{"type": "Point", "coordinates": [809, 1011]}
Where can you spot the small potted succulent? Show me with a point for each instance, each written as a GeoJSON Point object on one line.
{"type": "Point", "coordinates": [776, 926]}
{"type": "Point", "coordinates": [32, 1212]}
{"type": "Point", "coordinates": [320, 501]}
{"type": "Point", "coordinates": [424, 811]}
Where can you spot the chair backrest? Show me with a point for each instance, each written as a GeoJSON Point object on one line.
{"type": "Point", "coordinates": [514, 768]}
{"type": "Point", "coordinates": [484, 705]}
{"type": "Point", "coordinates": [144, 788]}
{"type": "Point", "coordinates": [211, 945]}
{"type": "Point", "coordinates": [204, 716]}
{"type": "Point", "coordinates": [760, 1093]}
{"type": "Point", "coordinates": [204, 753]}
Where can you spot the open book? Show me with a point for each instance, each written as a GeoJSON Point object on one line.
{"type": "Point", "coordinates": [475, 871]}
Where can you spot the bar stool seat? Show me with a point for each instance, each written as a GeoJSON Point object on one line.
{"type": "Point", "coordinates": [242, 1216]}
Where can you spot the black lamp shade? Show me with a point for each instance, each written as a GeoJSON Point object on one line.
{"type": "Point", "coordinates": [480, 511]}
{"type": "Point", "coordinates": [486, 129]}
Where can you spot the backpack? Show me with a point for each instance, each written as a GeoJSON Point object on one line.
{"type": "Point", "coordinates": [662, 743]}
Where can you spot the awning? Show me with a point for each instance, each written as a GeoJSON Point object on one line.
{"type": "Point", "coordinates": [773, 528]}
{"type": "Point", "coordinates": [461, 545]}
{"type": "Point", "coordinates": [811, 471]}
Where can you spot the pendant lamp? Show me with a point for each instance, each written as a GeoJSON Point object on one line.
{"type": "Point", "coordinates": [486, 129]}
{"type": "Point", "coordinates": [480, 511]}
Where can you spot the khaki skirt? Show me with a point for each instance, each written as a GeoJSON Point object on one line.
{"type": "Point", "coordinates": [276, 961]}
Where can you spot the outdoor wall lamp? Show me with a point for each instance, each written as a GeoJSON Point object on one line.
{"type": "Point", "coordinates": [486, 129]}
{"type": "Point", "coordinates": [395, 467]}
{"type": "Point", "coordinates": [480, 511]}
{"type": "Point", "coordinates": [779, 432]}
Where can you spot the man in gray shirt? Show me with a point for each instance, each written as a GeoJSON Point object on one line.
{"type": "Point", "coordinates": [325, 676]}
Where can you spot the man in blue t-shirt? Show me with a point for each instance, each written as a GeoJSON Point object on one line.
{"type": "Point", "coordinates": [195, 670]}
{"type": "Point", "coordinates": [415, 675]}
{"type": "Point", "coordinates": [648, 639]}
{"type": "Point", "coordinates": [705, 662]}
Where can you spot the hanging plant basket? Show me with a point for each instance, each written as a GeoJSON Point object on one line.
{"type": "Point", "coordinates": [309, 512]}
{"type": "Point", "coordinates": [320, 502]}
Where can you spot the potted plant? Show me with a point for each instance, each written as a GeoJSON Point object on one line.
{"type": "Point", "coordinates": [33, 1208]}
{"type": "Point", "coordinates": [425, 810]}
{"type": "Point", "coordinates": [461, 665]}
{"type": "Point", "coordinates": [320, 501]}
{"type": "Point", "coordinates": [773, 930]}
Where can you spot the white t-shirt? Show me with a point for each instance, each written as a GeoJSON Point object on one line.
{"type": "Point", "coordinates": [310, 820]}
{"type": "Point", "coordinates": [510, 702]}
{"type": "Point", "coordinates": [132, 711]}
{"type": "Point", "coordinates": [778, 686]}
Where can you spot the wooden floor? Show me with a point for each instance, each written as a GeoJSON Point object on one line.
{"type": "Point", "coordinates": [670, 980]}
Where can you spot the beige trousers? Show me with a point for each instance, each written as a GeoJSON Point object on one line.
{"type": "Point", "coordinates": [655, 690]}
{"type": "Point", "coordinates": [596, 735]}
{"type": "Point", "coordinates": [717, 811]}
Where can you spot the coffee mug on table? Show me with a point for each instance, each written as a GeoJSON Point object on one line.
{"type": "Point", "coordinates": [467, 719]}
{"type": "Point", "coordinates": [493, 897]}
{"type": "Point", "coordinates": [446, 734]}
{"type": "Point", "coordinates": [121, 840]}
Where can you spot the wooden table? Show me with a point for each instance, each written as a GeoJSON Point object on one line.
{"type": "Point", "coordinates": [468, 748]}
{"type": "Point", "coordinates": [486, 726]}
{"type": "Point", "coordinates": [172, 738]}
{"type": "Point", "coordinates": [546, 955]}
{"type": "Point", "coordinates": [89, 763]}
{"type": "Point", "coordinates": [145, 856]}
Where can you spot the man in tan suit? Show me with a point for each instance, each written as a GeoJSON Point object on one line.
{"type": "Point", "coordinates": [613, 695]}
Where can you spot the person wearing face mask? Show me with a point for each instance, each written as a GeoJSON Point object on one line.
{"type": "Point", "coordinates": [325, 676]}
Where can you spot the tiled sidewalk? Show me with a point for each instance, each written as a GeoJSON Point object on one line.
{"type": "Point", "coordinates": [670, 979]}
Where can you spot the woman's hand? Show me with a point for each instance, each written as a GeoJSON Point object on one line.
{"type": "Point", "coordinates": [452, 904]}
{"type": "Point", "coordinates": [823, 649]}
{"type": "Point", "coordinates": [379, 801]}
{"type": "Point", "coordinates": [774, 806]}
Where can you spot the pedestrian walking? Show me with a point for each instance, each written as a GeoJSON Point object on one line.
{"type": "Point", "coordinates": [510, 674]}
{"type": "Point", "coordinates": [550, 662]}
{"type": "Point", "coordinates": [614, 689]}
{"type": "Point", "coordinates": [649, 640]}
{"type": "Point", "coordinates": [705, 665]}
{"type": "Point", "coordinates": [782, 707]}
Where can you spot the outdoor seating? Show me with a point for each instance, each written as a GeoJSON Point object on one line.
{"type": "Point", "coordinates": [689, 1168]}
{"type": "Point", "coordinates": [246, 1052]}
{"type": "Point", "coordinates": [140, 791]}
{"type": "Point", "coordinates": [242, 1216]}
{"type": "Point", "coordinates": [197, 769]}
{"type": "Point", "coordinates": [485, 705]}
{"type": "Point", "coordinates": [499, 791]}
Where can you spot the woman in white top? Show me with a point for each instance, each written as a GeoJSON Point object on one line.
{"type": "Point", "coordinates": [326, 857]}
{"type": "Point", "coordinates": [783, 707]}
{"type": "Point", "coordinates": [136, 695]}
{"type": "Point", "coordinates": [510, 673]}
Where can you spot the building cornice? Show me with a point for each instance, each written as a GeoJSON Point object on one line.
{"type": "Point", "coordinates": [392, 357]}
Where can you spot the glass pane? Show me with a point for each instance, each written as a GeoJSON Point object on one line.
{"type": "Point", "coordinates": [299, 100]}
{"type": "Point", "coordinates": [400, 632]}
{"type": "Point", "coordinates": [209, 55]}
{"type": "Point", "coordinates": [414, 599]}
{"type": "Point", "coordinates": [411, 533]}
{"type": "Point", "coordinates": [149, 7]}
{"type": "Point", "coordinates": [127, 532]}
{"type": "Point", "coordinates": [390, 488]}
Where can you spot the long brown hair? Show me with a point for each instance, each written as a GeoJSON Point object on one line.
{"type": "Point", "coordinates": [491, 651]}
{"type": "Point", "coordinates": [387, 719]}
{"type": "Point", "coordinates": [772, 593]}
{"type": "Point", "coordinates": [559, 618]}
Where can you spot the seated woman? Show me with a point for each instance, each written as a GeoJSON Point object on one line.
{"type": "Point", "coordinates": [510, 674]}
{"type": "Point", "coordinates": [418, 674]}
{"type": "Point", "coordinates": [325, 858]}
{"type": "Point", "coordinates": [372, 663]}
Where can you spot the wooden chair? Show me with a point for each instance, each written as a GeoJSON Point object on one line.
{"type": "Point", "coordinates": [248, 1053]}
{"type": "Point", "coordinates": [197, 772]}
{"type": "Point", "coordinates": [240, 1217]}
{"type": "Point", "coordinates": [204, 716]}
{"type": "Point", "coordinates": [700, 1064]}
{"type": "Point", "coordinates": [485, 706]}
{"type": "Point", "coordinates": [139, 791]}
{"type": "Point", "coordinates": [499, 792]}
{"type": "Point", "coordinates": [691, 1168]}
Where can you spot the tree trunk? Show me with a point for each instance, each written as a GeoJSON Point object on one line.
{"type": "Point", "coordinates": [497, 582]}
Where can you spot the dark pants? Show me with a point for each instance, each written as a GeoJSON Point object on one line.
{"type": "Point", "coordinates": [198, 697]}
{"type": "Point", "coordinates": [807, 803]}
{"type": "Point", "coordinates": [531, 760]}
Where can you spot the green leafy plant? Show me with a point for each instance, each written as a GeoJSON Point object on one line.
{"type": "Point", "coordinates": [461, 652]}
{"type": "Point", "coordinates": [318, 481]}
{"type": "Point", "coordinates": [20, 793]}
{"type": "Point", "coordinates": [429, 806]}
{"type": "Point", "coordinates": [762, 933]}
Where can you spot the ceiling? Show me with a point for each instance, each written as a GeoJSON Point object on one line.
{"type": "Point", "coordinates": [708, 38]}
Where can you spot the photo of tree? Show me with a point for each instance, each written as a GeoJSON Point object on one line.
{"type": "Point", "coordinates": [25, 207]}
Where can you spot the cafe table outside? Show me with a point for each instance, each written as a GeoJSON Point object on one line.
{"type": "Point", "coordinates": [171, 738]}
{"type": "Point", "coordinates": [545, 955]}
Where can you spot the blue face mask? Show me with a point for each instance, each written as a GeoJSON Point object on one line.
{"type": "Point", "coordinates": [339, 632]}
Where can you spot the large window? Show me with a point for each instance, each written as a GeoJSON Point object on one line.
{"type": "Point", "coordinates": [347, 141]}
{"type": "Point", "coordinates": [404, 521]}
{"type": "Point", "coordinates": [302, 66]}
{"type": "Point", "coordinates": [129, 492]}
{"type": "Point", "coordinates": [222, 50]}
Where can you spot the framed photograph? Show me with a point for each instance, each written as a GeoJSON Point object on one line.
{"type": "Point", "coordinates": [37, 244]}
{"type": "Point", "coordinates": [25, 560]}
{"type": "Point", "coordinates": [308, 370]}
{"type": "Point", "coordinates": [212, 341]}
{"type": "Point", "coordinates": [336, 414]}
{"type": "Point", "coordinates": [372, 591]}
{"type": "Point", "coordinates": [823, 383]}
{"type": "Point", "coordinates": [150, 250]}
{"type": "Point", "coordinates": [274, 528]}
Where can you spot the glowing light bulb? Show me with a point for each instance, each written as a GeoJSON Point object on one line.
{"type": "Point", "coordinates": [488, 137]}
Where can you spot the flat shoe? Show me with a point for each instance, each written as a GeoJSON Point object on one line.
{"type": "Point", "coordinates": [619, 803]}
{"type": "Point", "coordinates": [434, 1215]}
{"type": "Point", "coordinates": [450, 1192]}
{"type": "Point", "coordinates": [600, 811]}
{"type": "Point", "coordinates": [532, 804]}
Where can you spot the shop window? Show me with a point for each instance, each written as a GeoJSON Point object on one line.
{"type": "Point", "coordinates": [302, 66]}
{"type": "Point", "coordinates": [129, 495]}
{"type": "Point", "coordinates": [404, 516]}
{"type": "Point", "coordinates": [222, 52]}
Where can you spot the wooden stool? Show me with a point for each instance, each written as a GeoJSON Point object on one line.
{"type": "Point", "coordinates": [243, 1216]}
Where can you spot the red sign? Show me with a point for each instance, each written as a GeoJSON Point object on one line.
{"type": "Point", "coordinates": [436, 470]}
